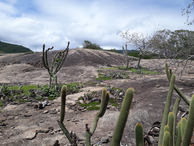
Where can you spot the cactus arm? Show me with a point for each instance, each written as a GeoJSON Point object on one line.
{"type": "Point", "coordinates": [170, 124]}
{"type": "Point", "coordinates": [65, 131]}
{"type": "Point", "coordinates": [166, 139]}
{"type": "Point", "coordinates": [103, 107]}
{"type": "Point", "coordinates": [178, 139]}
{"type": "Point", "coordinates": [166, 109]}
{"type": "Point", "coordinates": [88, 136]}
{"type": "Point", "coordinates": [118, 132]}
{"type": "Point", "coordinates": [176, 88]}
{"type": "Point", "coordinates": [139, 135]}
{"type": "Point", "coordinates": [62, 114]}
{"type": "Point", "coordinates": [190, 124]}
{"type": "Point", "coordinates": [175, 110]}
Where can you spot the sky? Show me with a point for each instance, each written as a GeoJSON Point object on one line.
{"type": "Point", "coordinates": [32, 23]}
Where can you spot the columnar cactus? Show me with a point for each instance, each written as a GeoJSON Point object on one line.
{"type": "Point", "coordinates": [118, 132]}
{"type": "Point", "coordinates": [57, 61]}
{"type": "Point", "coordinates": [139, 135]}
{"type": "Point", "coordinates": [166, 110]}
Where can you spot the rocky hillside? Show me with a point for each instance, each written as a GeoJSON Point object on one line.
{"type": "Point", "coordinates": [86, 57]}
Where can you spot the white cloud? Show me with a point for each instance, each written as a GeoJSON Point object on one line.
{"type": "Point", "coordinates": [55, 22]}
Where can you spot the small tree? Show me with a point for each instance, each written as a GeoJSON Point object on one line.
{"type": "Point", "coordinates": [57, 61]}
{"type": "Point", "coordinates": [87, 44]}
{"type": "Point", "coordinates": [142, 42]}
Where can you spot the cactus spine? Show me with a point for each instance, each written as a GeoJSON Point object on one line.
{"type": "Point", "coordinates": [190, 124]}
{"type": "Point", "coordinates": [139, 135]}
{"type": "Point", "coordinates": [118, 132]}
{"type": "Point", "coordinates": [166, 110]}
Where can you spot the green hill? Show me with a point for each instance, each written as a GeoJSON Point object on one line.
{"type": "Point", "coordinates": [11, 48]}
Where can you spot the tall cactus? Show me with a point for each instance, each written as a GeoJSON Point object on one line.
{"type": "Point", "coordinates": [118, 132]}
{"type": "Point", "coordinates": [57, 61]}
{"type": "Point", "coordinates": [167, 108]}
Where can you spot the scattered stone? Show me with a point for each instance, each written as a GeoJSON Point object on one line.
{"type": "Point", "coordinates": [29, 135]}
{"type": "Point", "coordinates": [41, 130]}
{"type": "Point", "coordinates": [121, 94]}
{"type": "Point", "coordinates": [54, 111]}
{"type": "Point", "coordinates": [46, 111]}
{"type": "Point", "coordinates": [157, 86]}
{"type": "Point", "coordinates": [16, 117]}
{"type": "Point", "coordinates": [81, 101]}
{"type": "Point", "coordinates": [41, 105]}
{"type": "Point", "coordinates": [27, 115]}
{"type": "Point", "coordinates": [104, 140]}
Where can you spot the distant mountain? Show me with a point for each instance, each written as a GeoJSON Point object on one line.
{"type": "Point", "coordinates": [11, 48]}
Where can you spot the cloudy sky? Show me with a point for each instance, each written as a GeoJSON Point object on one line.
{"type": "Point", "coordinates": [32, 23]}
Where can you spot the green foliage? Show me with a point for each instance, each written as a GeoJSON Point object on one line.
{"type": "Point", "coordinates": [10, 48]}
{"type": "Point", "coordinates": [90, 106]}
{"type": "Point", "coordinates": [113, 50]}
{"type": "Point", "coordinates": [147, 55]}
{"type": "Point", "coordinates": [87, 44]}
{"type": "Point", "coordinates": [49, 91]}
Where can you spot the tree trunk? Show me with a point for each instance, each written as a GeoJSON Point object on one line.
{"type": "Point", "coordinates": [138, 64]}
